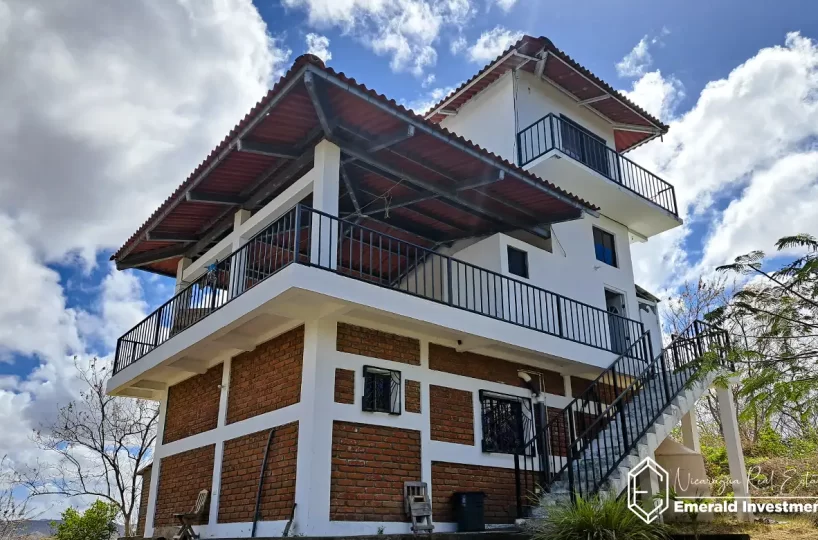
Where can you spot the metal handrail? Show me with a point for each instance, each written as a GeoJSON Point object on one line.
{"type": "Point", "coordinates": [553, 132]}
{"type": "Point", "coordinates": [381, 259]}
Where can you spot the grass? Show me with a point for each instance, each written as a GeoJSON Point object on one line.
{"type": "Point", "coordinates": [790, 528]}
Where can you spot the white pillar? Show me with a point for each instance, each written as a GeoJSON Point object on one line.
{"type": "Point", "coordinates": [566, 381]}
{"type": "Point", "coordinates": [157, 464]}
{"type": "Point", "coordinates": [216, 486]}
{"type": "Point", "coordinates": [324, 230]}
{"type": "Point", "coordinates": [690, 430]}
{"type": "Point", "coordinates": [181, 266]}
{"type": "Point", "coordinates": [735, 455]}
{"type": "Point", "coordinates": [238, 268]}
{"type": "Point", "coordinates": [649, 487]}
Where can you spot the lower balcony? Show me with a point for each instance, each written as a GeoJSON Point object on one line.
{"type": "Point", "coordinates": [567, 155]}
{"type": "Point", "coordinates": [306, 238]}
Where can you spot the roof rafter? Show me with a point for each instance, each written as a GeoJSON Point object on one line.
{"type": "Point", "coordinates": [152, 256]}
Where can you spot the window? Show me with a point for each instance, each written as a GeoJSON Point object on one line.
{"type": "Point", "coordinates": [507, 424]}
{"type": "Point", "coordinates": [517, 262]}
{"type": "Point", "coordinates": [381, 390]}
{"type": "Point", "coordinates": [604, 247]}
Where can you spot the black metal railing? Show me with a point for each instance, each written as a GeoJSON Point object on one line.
{"type": "Point", "coordinates": [583, 444]}
{"type": "Point", "coordinates": [365, 254]}
{"type": "Point", "coordinates": [552, 132]}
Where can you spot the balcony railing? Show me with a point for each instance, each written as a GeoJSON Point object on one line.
{"type": "Point", "coordinates": [309, 237]}
{"type": "Point", "coordinates": [555, 133]}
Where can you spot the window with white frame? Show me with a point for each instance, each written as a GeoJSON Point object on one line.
{"type": "Point", "coordinates": [507, 423]}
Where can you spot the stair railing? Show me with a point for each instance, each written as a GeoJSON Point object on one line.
{"type": "Point", "coordinates": [585, 442]}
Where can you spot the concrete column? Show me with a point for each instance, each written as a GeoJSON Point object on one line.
{"type": "Point", "coordinates": [324, 230]}
{"type": "Point", "coordinates": [218, 457]}
{"type": "Point", "coordinates": [566, 381]}
{"type": "Point", "coordinates": [690, 430]}
{"type": "Point", "coordinates": [181, 266]}
{"type": "Point", "coordinates": [649, 488]}
{"type": "Point", "coordinates": [157, 464]}
{"type": "Point", "coordinates": [239, 268]}
{"type": "Point", "coordinates": [735, 454]}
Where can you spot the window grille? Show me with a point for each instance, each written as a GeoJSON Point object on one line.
{"type": "Point", "coordinates": [507, 423]}
{"type": "Point", "coordinates": [381, 390]}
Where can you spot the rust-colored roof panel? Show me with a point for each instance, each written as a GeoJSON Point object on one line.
{"type": "Point", "coordinates": [286, 116]}
{"type": "Point", "coordinates": [569, 75]}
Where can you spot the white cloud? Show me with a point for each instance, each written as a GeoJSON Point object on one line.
{"type": "Point", "coordinates": [424, 103]}
{"type": "Point", "coordinates": [458, 44]}
{"type": "Point", "coordinates": [639, 59]}
{"type": "Point", "coordinates": [430, 78]}
{"type": "Point", "coordinates": [491, 43]}
{"type": "Point", "coordinates": [506, 5]}
{"type": "Point", "coordinates": [100, 123]}
{"type": "Point", "coordinates": [657, 94]}
{"type": "Point", "coordinates": [749, 138]}
{"type": "Point", "coordinates": [405, 30]}
{"type": "Point", "coordinates": [319, 46]}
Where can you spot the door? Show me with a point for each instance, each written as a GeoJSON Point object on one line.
{"type": "Point", "coordinates": [617, 323]}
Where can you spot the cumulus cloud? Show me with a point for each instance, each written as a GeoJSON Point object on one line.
{"type": "Point", "coordinates": [657, 94]}
{"type": "Point", "coordinates": [100, 123]}
{"type": "Point", "coordinates": [404, 30]}
{"type": "Point", "coordinates": [491, 43]}
{"type": "Point", "coordinates": [639, 59]}
{"type": "Point", "coordinates": [506, 5]}
{"type": "Point", "coordinates": [319, 46]}
{"type": "Point", "coordinates": [425, 102]}
{"type": "Point", "coordinates": [745, 141]}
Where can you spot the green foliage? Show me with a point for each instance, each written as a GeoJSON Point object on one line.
{"type": "Point", "coordinates": [96, 523]}
{"type": "Point", "coordinates": [596, 519]}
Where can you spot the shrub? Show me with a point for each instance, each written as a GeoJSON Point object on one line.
{"type": "Point", "coordinates": [96, 523]}
{"type": "Point", "coordinates": [596, 519]}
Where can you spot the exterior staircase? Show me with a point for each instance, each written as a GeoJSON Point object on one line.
{"type": "Point", "coordinates": [621, 418]}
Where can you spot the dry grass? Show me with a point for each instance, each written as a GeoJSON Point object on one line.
{"type": "Point", "coordinates": [788, 528]}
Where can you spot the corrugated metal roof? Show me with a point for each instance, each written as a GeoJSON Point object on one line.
{"type": "Point", "coordinates": [286, 116]}
{"type": "Point", "coordinates": [569, 75]}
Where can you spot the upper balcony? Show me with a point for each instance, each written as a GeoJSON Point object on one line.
{"type": "Point", "coordinates": [598, 173]}
{"type": "Point", "coordinates": [304, 236]}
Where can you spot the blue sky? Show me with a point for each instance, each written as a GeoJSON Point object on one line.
{"type": "Point", "coordinates": [107, 108]}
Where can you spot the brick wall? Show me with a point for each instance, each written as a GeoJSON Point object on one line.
{"type": "Point", "coordinates": [451, 415]}
{"type": "Point", "coordinates": [344, 386]}
{"type": "Point", "coordinates": [605, 391]}
{"type": "Point", "coordinates": [193, 405]}
{"type": "Point", "coordinates": [376, 344]}
{"type": "Point", "coordinates": [267, 378]}
{"type": "Point", "coordinates": [412, 396]}
{"type": "Point", "coordinates": [369, 466]}
{"type": "Point", "coordinates": [241, 466]}
{"type": "Point", "coordinates": [144, 493]}
{"type": "Point", "coordinates": [487, 368]}
{"type": "Point", "coordinates": [181, 477]}
{"type": "Point", "coordinates": [500, 504]}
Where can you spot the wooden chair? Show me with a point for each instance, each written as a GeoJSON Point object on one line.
{"type": "Point", "coordinates": [188, 520]}
{"type": "Point", "coordinates": [418, 506]}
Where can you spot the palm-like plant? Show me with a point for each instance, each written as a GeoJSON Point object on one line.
{"type": "Point", "coordinates": [596, 518]}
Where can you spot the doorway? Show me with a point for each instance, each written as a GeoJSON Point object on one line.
{"type": "Point", "coordinates": [617, 324]}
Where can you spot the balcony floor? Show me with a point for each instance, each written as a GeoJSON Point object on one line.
{"type": "Point", "coordinates": [299, 293]}
{"type": "Point", "coordinates": [616, 201]}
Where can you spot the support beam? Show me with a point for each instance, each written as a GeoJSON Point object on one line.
{"type": "Point", "coordinates": [637, 129]}
{"type": "Point", "coordinates": [486, 180]}
{"type": "Point", "coordinates": [539, 67]}
{"type": "Point", "coordinates": [150, 385]}
{"type": "Point", "coordinates": [593, 100]}
{"type": "Point", "coordinates": [154, 236]}
{"type": "Point", "coordinates": [266, 149]}
{"type": "Point", "coordinates": [319, 102]}
{"type": "Point", "coordinates": [353, 195]}
{"type": "Point", "coordinates": [391, 139]}
{"type": "Point", "coordinates": [400, 204]}
{"type": "Point", "coordinates": [236, 340]}
{"type": "Point", "coordinates": [152, 256]}
{"type": "Point", "coordinates": [690, 431]}
{"type": "Point", "coordinates": [214, 198]}
{"type": "Point", "coordinates": [190, 365]}
{"type": "Point", "coordinates": [137, 393]}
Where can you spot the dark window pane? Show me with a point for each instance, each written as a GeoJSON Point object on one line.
{"type": "Point", "coordinates": [517, 262]}
{"type": "Point", "coordinates": [381, 390]}
{"type": "Point", "coordinates": [505, 427]}
{"type": "Point", "coordinates": [604, 247]}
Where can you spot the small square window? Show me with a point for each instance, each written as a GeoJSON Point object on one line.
{"type": "Point", "coordinates": [517, 262]}
{"type": "Point", "coordinates": [604, 247]}
{"type": "Point", "coordinates": [381, 390]}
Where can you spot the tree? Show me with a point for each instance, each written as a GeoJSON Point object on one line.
{"type": "Point", "coordinates": [100, 442]}
{"type": "Point", "coordinates": [96, 523]}
{"type": "Point", "coordinates": [13, 513]}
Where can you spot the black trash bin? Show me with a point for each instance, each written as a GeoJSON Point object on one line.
{"type": "Point", "coordinates": [468, 511]}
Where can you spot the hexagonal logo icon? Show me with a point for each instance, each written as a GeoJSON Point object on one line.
{"type": "Point", "coordinates": [660, 503]}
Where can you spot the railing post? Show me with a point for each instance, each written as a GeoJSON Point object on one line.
{"type": "Point", "coordinates": [116, 355]}
{"type": "Point", "coordinates": [517, 485]}
{"type": "Point", "coordinates": [543, 446]}
{"type": "Point", "coordinates": [449, 285]}
{"type": "Point", "coordinates": [553, 133]}
{"type": "Point", "coordinates": [519, 149]}
{"type": "Point", "coordinates": [570, 452]}
{"type": "Point", "coordinates": [297, 239]}
{"type": "Point", "coordinates": [156, 331]}
{"type": "Point", "coordinates": [559, 316]}
{"type": "Point", "coordinates": [620, 409]}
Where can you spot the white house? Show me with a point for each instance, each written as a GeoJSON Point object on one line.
{"type": "Point", "coordinates": [367, 297]}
